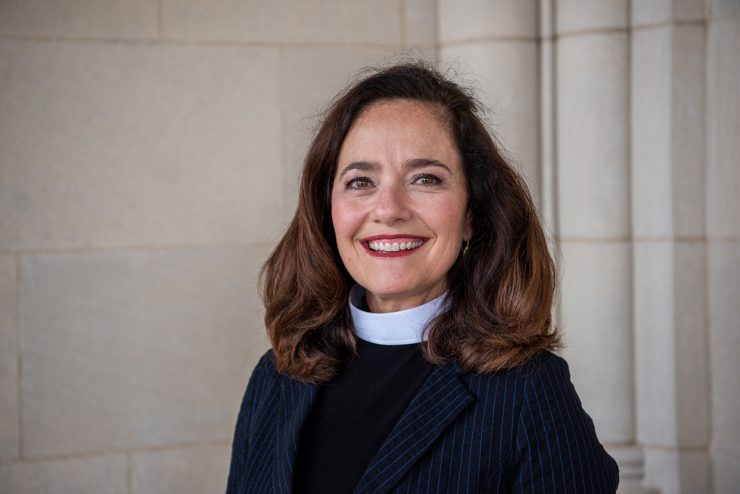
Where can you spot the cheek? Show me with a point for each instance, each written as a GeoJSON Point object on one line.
{"type": "Point", "coordinates": [451, 216]}
{"type": "Point", "coordinates": [336, 209]}
{"type": "Point", "coordinates": [342, 220]}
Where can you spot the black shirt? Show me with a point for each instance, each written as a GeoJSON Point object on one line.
{"type": "Point", "coordinates": [353, 415]}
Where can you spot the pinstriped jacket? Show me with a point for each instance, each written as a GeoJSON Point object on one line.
{"type": "Point", "coordinates": [522, 430]}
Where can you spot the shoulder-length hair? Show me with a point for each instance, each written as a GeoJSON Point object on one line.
{"type": "Point", "coordinates": [500, 292]}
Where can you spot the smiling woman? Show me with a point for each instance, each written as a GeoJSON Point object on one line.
{"type": "Point", "coordinates": [408, 306]}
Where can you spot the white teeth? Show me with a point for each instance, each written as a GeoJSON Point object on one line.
{"type": "Point", "coordinates": [394, 246]}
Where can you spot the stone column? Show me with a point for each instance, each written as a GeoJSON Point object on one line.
{"type": "Point", "coordinates": [593, 192]}
{"type": "Point", "coordinates": [496, 44]}
{"type": "Point", "coordinates": [671, 361]}
{"type": "Point", "coordinates": [723, 239]}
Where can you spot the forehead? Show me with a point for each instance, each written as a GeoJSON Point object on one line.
{"type": "Point", "coordinates": [395, 127]}
{"type": "Point", "coordinates": [393, 108]}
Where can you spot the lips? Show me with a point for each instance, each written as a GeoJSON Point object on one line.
{"type": "Point", "coordinates": [392, 245]}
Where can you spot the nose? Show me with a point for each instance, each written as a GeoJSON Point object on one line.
{"type": "Point", "coordinates": [391, 206]}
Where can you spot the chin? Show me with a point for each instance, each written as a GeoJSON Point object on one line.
{"type": "Point", "coordinates": [395, 291]}
{"type": "Point", "coordinates": [389, 292]}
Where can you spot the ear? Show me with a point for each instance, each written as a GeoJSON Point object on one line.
{"type": "Point", "coordinates": [468, 228]}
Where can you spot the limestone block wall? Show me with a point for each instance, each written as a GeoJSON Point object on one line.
{"type": "Point", "coordinates": [149, 157]}
{"type": "Point", "coordinates": [149, 154]}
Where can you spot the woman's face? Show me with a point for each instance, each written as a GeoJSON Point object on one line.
{"type": "Point", "coordinates": [399, 204]}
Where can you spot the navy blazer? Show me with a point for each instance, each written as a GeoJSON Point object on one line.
{"type": "Point", "coordinates": [519, 430]}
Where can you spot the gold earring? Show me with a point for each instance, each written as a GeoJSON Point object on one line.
{"type": "Point", "coordinates": [467, 247]}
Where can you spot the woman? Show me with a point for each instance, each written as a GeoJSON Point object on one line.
{"type": "Point", "coordinates": [408, 306]}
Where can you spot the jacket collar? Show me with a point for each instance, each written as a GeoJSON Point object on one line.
{"type": "Point", "coordinates": [441, 398]}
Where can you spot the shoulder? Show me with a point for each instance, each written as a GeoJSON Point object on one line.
{"type": "Point", "coordinates": [548, 386]}
{"type": "Point", "coordinates": [263, 379]}
{"type": "Point", "coordinates": [263, 375]}
{"type": "Point", "coordinates": [548, 390]}
{"type": "Point", "coordinates": [260, 394]}
{"type": "Point", "coordinates": [542, 387]}
{"type": "Point", "coordinates": [541, 383]}
{"type": "Point", "coordinates": [545, 369]}
{"type": "Point", "coordinates": [546, 372]}
{"type": "Point", "coordinates": [258, 402]}
{"type": "Point", "coordinates": [265, 365]}
{"type": "Point", "coordinates": [513, 393]}
{"type": "Point", "coordinates": [545, 362]}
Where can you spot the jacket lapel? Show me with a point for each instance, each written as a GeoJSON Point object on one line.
{"type": "Point", "coordinates": [297, 398]}
{"type": "Point", "coordinates": [442, 397]}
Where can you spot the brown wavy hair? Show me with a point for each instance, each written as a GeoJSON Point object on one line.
{"type": "Point", "coordinates": [500, 291]}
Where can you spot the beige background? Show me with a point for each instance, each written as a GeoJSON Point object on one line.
{"type": "Point", "coordinates": [149, 156]}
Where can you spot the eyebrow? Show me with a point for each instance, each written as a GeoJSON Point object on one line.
{"type": "Point", "coordinates": [424, 162]}
{"type": "Point", "coordinates": [358, 165]}
{"type": "Point", "coordinates": [412, 164]}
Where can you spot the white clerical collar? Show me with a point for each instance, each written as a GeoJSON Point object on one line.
{"type": "Point", "coordinates": [392, 328]}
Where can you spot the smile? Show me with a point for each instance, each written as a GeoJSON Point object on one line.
{"type": "Point", "coordinates": [392, 246]}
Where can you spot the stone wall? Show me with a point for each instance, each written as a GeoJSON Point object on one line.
{"type": "Point", "coordinates": [149, 151]}
{"type": "Point", "coordinates": [149, 157]}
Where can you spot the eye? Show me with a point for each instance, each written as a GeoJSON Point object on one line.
{"type": "Point", "coordinates": [359, 183]}
{"type": "Point", "coordinates": [427, 179]}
